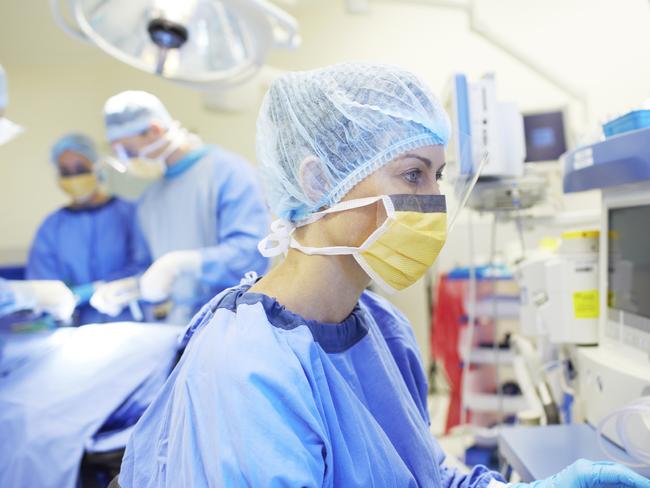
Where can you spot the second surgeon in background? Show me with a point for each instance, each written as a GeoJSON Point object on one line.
{"type": "Point", "coordinates": [91, 240]}
{"type": "Point", "coordinates": [201, 220]}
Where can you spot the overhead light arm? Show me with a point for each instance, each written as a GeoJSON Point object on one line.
{"type": "Point", "coordinates": [67, 26]}
{"type": "Point", "coordinates": [285, 26]}
{"type": "Point", "coordinates": [480, 28]}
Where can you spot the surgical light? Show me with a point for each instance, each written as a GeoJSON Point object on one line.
{"type": "Point", "coordinates": [198, 42]}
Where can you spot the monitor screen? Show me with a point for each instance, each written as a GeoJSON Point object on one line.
{"type": "Point", "coordinates": [629, 260]}
{"type": "Point", "coordinates": [545, 140]}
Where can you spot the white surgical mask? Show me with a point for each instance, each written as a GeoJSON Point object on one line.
{"type": "Point", "coordinates": [141, 165]}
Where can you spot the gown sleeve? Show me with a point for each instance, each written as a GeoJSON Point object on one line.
{"type": "Point", "coordinates": [139, 255]}
{"type": "Point", "coordinates": [42, 263]}
{"type": "Point", "coordinates": [124, 226]}
{"type": "Point", "coordinates": [242, 220]}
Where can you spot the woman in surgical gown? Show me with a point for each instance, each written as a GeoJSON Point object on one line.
{"type": "Point", "coordinates": [303, 378]}
{"type": "Point", "coordinates": [91, 240]}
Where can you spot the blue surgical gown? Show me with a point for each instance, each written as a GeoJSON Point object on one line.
{"type": "Point", "coordinates": [81, 246]}
{"type": "Point", "coordinates": [263, 397]}
{"type": "Point", "coordinates": [209, 200]}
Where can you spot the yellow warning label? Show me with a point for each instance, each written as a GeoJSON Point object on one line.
{"type": "Point", "coordinates": [585, 304]}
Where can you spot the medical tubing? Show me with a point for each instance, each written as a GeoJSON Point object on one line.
{"type": "Point", "coordinates": [520, 231]}
{"type": "Point", "coordinates": [471, 319]}
{"type": "Point", "coordinates": [468, 190]}
{"type": "Point", "coordinates": [549, 366]}
{"type": "Point", "coordinates": [471, 312]}
{"type": "Point", "coordinates": [639, 454]}
{"type": "Point", "coordinates": [564, 385]}
{"type": "Point", "coordinates": [495, 321]}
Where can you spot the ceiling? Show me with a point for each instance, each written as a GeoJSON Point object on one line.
{"type": "Point", "coordinates": [579, 28]}
{"type": "Point", "coordinates": [581, 41]}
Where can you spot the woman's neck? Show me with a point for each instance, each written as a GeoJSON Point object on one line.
{"type": "Point", "coordinates": [322, 288]}
{"type": "Point", "coordinates": [181, 152]}
{"type": "Point", "coordinates": [98, 198]}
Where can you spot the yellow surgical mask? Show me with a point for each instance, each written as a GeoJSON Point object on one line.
{"type": "Point", "coordinates": [145, 169]}
{"type": "Point", "coordinates": [80, 187]}
{"type": "Point", "coordinates": [408, 243]}
{"type": "Point", "coordinates": [398, 253]}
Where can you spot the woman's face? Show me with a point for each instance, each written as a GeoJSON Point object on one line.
{"type": "Point", "coordinates": [71, 163]}
{"type": "Point", "coordinates": [414, 173]}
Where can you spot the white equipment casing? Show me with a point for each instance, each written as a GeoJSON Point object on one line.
{"type": "Point", "coordinates": [559, 292]}
{"type": "Point", "coordinates": [609, 379]}
{"type": "Point", "coordinates": [572, 281]}
{"type": "Point", "coordinates": [485, 125]}
{"type": "Point", "coordinates": [496, 128]}
{"type": "Point", "coordinates": [531, 277]}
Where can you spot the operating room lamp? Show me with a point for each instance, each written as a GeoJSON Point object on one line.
{"type": "Point", "coordinates": [201, 43]}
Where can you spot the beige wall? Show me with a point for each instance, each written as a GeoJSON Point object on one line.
{"type": "Point", "coordinates": [52, 100]}
{"type": "Point", "coordinates": [59, 85]}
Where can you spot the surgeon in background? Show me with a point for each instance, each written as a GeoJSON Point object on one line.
{"type": "Point", "coordinates": [201, 218]}
{"type": "Point", "coordinates": [91, 240]}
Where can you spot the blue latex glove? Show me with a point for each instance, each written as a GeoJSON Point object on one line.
{"type": "Point", "coordinates": [83, 293]}
{"type": "Point", "coordinates": [590, 474]}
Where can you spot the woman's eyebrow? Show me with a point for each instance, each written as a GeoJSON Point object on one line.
{"type": "Point", "coordinates": [426, 161]}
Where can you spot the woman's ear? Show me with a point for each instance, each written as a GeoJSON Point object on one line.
{"type": "Point", "coordinates": [155, 131]}
{"type": "Point", "coordinates": [313, 178]}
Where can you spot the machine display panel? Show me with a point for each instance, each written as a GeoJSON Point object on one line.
{"type": "Point", "coordinates": [629, 261]}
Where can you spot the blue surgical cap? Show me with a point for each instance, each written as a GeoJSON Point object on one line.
{"type": "Point", "coordinates": [4, 92]}
{"type": "Point", "coordinates": [78, 143]}
{"type": "Point", "coordinates": [337, 125]}
{"type": "Point", "coordinates": [131, 112]}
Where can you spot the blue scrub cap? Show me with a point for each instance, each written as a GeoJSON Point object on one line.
{"type": "Point", "coordinates": [131, 112]}
{"type": "Point", "coordinates": [78, 143]}
{"type": "Point", "coordinates": [321, 132]}
{"type": "Point", "coordinates": [4, 93]}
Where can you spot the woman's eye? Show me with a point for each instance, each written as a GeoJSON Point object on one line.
{"type": "Point", "coordinates": [413, 176]}
{"type": "Point", "coordinates": [439, 175]}
{"type": "Point", "coordinates": [82, 169]}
